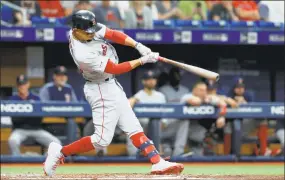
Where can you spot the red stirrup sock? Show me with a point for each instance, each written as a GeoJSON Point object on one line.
{"type": "Point", "coordinates": [146, 146]}
{"type": "Point", "coordinates": [80, 146]}
{"type": "Point", "coordinates": [262, 134]}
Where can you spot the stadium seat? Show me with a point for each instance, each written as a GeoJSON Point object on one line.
{"type": "Point", "coordinates": [63, 21]}
{"type": "Point", "coordinates": [39, 20]}
{"type": "Point", "coordinates": [187, 23]}
{"type": "Point", "coordinates": [269, 25]}
{"type": "Point", "coordinates": [6, 14]}
{"type": "Point", "coordinates": [48, 22]}
{"type": "Point", "coordinates": [163, 23]}
{"type": "Point", "coordinates": [242, 24]}
{"type": "Point", "coordinates": [214, 24]}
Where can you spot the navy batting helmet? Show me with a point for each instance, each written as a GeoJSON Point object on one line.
{"type": "Point", "coordinates": [86, 21]}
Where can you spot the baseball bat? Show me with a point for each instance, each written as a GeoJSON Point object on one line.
{"type": "Point", "coordinates": [193, 69]}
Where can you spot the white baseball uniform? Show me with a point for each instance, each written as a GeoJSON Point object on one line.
{"type": "Point", "coordinates": [196, 131]}
{"type": "Point", "coordinates": [105, 95]}
{"type": "Point", "coordinates": [142, 97]}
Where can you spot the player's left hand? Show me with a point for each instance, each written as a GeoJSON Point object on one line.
{"type": "Point", "coordinates": [150, 58]}
{"type": "Point", "coordinates": [143, 50]}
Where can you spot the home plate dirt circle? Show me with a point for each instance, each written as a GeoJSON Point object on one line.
{"type": "Point", "coordinates": [31, 176]}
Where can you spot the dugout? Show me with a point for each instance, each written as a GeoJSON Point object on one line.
{"type": "Point", "coordinates": [262, 66]}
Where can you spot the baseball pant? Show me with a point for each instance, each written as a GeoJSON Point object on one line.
{"type": "Point", "coordinates": [248, 125]}
{"type": "Point", "coordinates": [18, 136]}
{"type": "Point", "coordinates": [178, 129]}
{"type": "Point", "coordinates": [110, 107]}
{"type": "Point", "coordinates": [197, 134]}
{"type": "Point", "coordinates": [88, 131]}
{"type": "Point", "coordinates": [196, 131]}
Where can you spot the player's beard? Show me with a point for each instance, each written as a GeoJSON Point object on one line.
{"type": "Point", "coordinates": [149, 89]}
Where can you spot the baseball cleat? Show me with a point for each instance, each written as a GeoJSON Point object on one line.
{"type": "Point", "coordinates": [54, 158]}
{"type": "Point", "coordinates": [166, 168]}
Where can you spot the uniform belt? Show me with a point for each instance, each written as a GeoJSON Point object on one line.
{"type": "Point", "coordinates": [105, 80]}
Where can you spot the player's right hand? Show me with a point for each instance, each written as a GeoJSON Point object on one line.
{"type": "Point", "coordinates": [220, 122]}
{"type": "Point", "coordinates": [150, 58]}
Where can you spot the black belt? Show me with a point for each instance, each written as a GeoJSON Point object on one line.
{"type": "Point", "coordinates": [106, 80]}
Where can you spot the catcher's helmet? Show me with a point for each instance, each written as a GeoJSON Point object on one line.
{"type": "Point", "coordinates": [85, 20]}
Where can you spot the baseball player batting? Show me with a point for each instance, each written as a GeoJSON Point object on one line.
{"type": "Point", "coordinates": [98, 62]}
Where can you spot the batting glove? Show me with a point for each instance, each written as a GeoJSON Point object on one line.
{"type": "Point", "coordinates": [150, 58]}
{"type": "Point", "coordinates": [143, 50]}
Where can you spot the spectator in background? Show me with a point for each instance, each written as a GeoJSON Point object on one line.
{"type": "Point", "coordinates": [58, 90]}
{"type": "Point", "coordinates": [147, 95]}
{"type": "Point", "coordinates": [27, 127]}
{"type": "Point", "coordinates": [32, 10]}
{"type": "Point", "coordinates": [246, 10]}
{"type": "Point", "coordinates": [198, 97]}
{"type": "Point", "coordinates": [69, 6]}
{"type": "Point", "coordinates": [211, 3]}
{"type": "Point", "coordinates": [174, 127]}
{"type": "Point", "coordinates": [194, 10]}
{"type": "Point", "coordinates": [138, 16]}
{"type": "Point", "coordinates": [122, 6]}
{"type": "Point", "coordinates": [168, 9]}
{"type": "Point", "coordinates": [83, 5]}
{"type": "Point", "coordinates": [223, 11]}
{"type": "Point", "coordinates": [152, 6]}
{"type": "Point", "coordinates": [241, 96]}
{"type": "Point", "coordinates": [272, 11]}
{"type": "Point", "coordinates": [76, 6]}
{"type": "Point", "coordinates": [108, 15]}
{"type": "Point", "coordinates": [52, 9]}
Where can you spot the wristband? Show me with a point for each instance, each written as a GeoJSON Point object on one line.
{"type": "Point", "coordinates": [223, 110]}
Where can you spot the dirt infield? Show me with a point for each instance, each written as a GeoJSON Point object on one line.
{"type": "Point", "coordinates": [140, 177]}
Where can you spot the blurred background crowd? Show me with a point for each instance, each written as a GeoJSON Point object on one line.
{"type": "Point", "coordinates": [141, 14]}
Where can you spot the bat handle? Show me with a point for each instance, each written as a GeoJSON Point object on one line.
{"type": "Point", "coordinates": [161, 58]}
